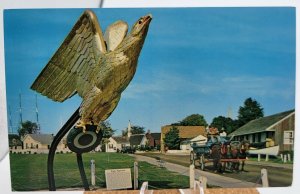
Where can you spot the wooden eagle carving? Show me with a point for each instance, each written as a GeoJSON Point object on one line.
{"type": "Point", "coordinates": [97, 67]}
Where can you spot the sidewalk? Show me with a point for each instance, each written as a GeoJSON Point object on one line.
{"type": "Point", "coordinates": [212, 179]}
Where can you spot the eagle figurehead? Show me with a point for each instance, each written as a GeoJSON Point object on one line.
{"type": "Point", "coordinates": [97, 67]}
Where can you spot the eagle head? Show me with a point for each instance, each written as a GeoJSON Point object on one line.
{"type": "Point", "coordinates": [140, 28]}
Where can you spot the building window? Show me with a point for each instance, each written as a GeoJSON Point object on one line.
{"type": "Point", "coordinates": [110, 146]}
{"type": "Point", "coordinates": [288, 137]}
{"type": "Point", "coordinates": [259, 137]}
{"type": "Point", "coordinates": [26, 145]}
{"type": "Point", "coordinates": [253, 138]}
{"type": "Point", "coordinates": [37, 146]}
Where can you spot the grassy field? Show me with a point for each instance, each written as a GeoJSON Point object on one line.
{"type": "Point", "coordinates": [29, 172]}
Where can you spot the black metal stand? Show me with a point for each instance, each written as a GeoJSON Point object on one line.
{"type": "Point", "coordinates": [61, 133]}
{"type": "Point", "coordinates": [82, 172]}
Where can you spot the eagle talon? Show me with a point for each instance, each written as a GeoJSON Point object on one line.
{"type": "Point", "coordinates": [98, 129]}
{"type": "Point", "coordinates": [82, 124]}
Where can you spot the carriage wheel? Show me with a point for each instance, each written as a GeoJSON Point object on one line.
{"type": "Point", "coordinates": [202, 162]}
{"type": "Point", "coordinates": [192, 157]}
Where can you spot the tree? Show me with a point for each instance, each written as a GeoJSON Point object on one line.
{"type": "Point", "coordinates": [172, 140]}
{"type": "Point", "coordinates": [28, 127]}
{"type": "Point", "coordinates": [106, 129]}
{"type": "Point", "coordinates": [135, 129]}
{"type": "Point", "coordinates": [193, 120]}
{"type": "Point", "coordinates": [227, 123]}
{"type": "Point", "coordinates": [250, 111]}
{"type": "Point", "coordinates": [107, 132]}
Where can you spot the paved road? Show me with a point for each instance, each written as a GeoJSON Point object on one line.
{"type": "Point", "coordinates": [212, 179]}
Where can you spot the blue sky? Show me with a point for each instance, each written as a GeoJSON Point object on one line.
{"type": "Point", "coordinates": [194, 60]}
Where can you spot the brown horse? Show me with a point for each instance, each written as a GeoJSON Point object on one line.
{"type": "Point", "coordinates": [245, 145]}
{"type": "Point", "coordinates": [238, 152]}
{"type": "Point", "coordinates": [234, 151]}
{"type": "Point", "coordinates": [225, 154]}
{"type": "Point", "coordinates": [234, 154]}
{"type": "Point", "coordinates": [215, 155]}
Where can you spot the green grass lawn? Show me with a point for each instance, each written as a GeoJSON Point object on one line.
{"type": "Point", "coordinates": [271, 159]}
{"type": "Point", "coordinates": [29, 172]}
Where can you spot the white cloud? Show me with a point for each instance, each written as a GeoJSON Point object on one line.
{"type": "Point", "coordinates": [161, 83]}
{"type": "Point", "coordinates": [264, 86]}
{"type": "Point", "coordinates": [260, 86]}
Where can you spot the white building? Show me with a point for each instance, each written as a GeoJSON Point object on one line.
{"type": "Point", "coordinates": [116, 144]}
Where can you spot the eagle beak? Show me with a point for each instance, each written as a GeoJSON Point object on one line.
{"type": "Point", "coordinates": [147, 18]}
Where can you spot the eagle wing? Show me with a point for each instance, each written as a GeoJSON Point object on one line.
{"type": "Point", "coordinates": [78, 56]}
{"type": "Point", "coordinates": [106, 109]}
{"type": "Point", "coordinates": [114, 34]}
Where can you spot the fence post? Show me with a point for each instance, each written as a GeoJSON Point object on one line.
{"type": "Point", "coordinates": [135, 176]}
{"type": "Point", "coordinates": [203, 181]}
{"type": "Point", "coordinates": [264, 177]}
{"type": "Point", "coordinates": [289, 157]}
{"type": "Point", "coordinates": [258, 158]}
{"type": "Point", "coordinates": [93, 172]}
{"type": "Point", "coordinates": [144, 187]}
{"type": "Point", "coordinates": [284, 158]}
{"type": "Point", "coordinates": [267, 157]}
{"type": "Point", "coordinates": [281, 156]}
{"type": "Point", "coordinates": [192, 175]}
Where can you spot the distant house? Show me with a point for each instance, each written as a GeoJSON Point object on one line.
{"type": "Point", "coordinates": [279, 128]}
{"type": "Point", "coordinates": [36, 143]}
{"type": "Point", "coordinates": [185, 133]}
{"type": "Point", "coordinates": [15, 142]}
{"type": "Point", "coordinates": [138, 140]}
{"type": "Point", "coordinates": [116, 143]}
{"type": "Point", "coordinates": [185, 144]}
{"type": "Point", "coordinates": [133, 140]}
{"type": "Point", "coordinates": [199, 140]}
{"type": "Point", "coordinates": [153, 139]}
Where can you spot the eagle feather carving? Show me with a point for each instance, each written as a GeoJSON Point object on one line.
{"type": "Point", "coordinates": [97, 67]}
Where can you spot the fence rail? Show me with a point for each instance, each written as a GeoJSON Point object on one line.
{"type": "Point", "coordinates": [140, 174]}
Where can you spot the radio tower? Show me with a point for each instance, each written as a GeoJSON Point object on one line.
{"type": "Point", "coordinates": [20, 108]}
{"type": "Point", "coordinates": [37, 113]}
{"type": "Point", "coordinates": [10, 121]}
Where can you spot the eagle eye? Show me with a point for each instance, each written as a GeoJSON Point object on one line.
{"type": "Point", "coordinates": [140, 21]}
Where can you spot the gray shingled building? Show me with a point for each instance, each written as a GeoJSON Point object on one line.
{"type": "Point", "coordinates": [278, 128]}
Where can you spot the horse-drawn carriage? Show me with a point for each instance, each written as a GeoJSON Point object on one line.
{"type": "Point", "coordinates": [221, 151]}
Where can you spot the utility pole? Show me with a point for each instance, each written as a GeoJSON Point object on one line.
{"type": "Point", "coordinates": [20, 108]}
